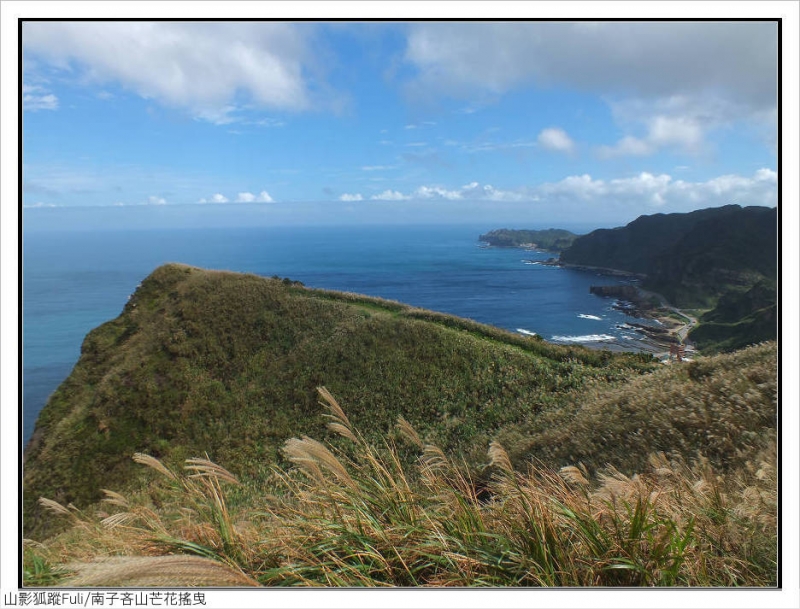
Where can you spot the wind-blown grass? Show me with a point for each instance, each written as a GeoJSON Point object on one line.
{"type": "Point", "coordinates": [353, 514]}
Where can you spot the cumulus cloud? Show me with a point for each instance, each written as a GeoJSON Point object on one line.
{"type": "Point", "coordinates": [249, 197]}
{"type": "Point", "coordinates": [155, 200]}
{"type": "Point", "coordinates": [217, 198]}
{"type": "Point", "coordinates": [651, 192]}
{"type": "Point", "coordinates": [198, 66]}
{"type": "Point", "coordinates": [351, 197]}
{"type": "Point", "coordinates": [429, 192]}
{"type": "Point", "coordinates": [556, 139]}
{"type": "Point", "coordinates": [680, 79]}
{"type": "Point", "coordinates": [678, 122]}
{"type": "Point", "coordinates": [642, 193]}
{"type": "Point", "coordinates": [390, 195]}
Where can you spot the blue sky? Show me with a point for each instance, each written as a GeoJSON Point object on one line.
{"type": "Point", "coordinates": [532, 122]}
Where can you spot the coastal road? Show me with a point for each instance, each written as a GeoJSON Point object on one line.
{"type": "Point", "coordinates": [684, 330]}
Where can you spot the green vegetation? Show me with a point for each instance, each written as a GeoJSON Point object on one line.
{"type": "Point", "coordinates": [602, 469]}
{"type": "Point", "coordinates": [551, 239]}
{"type": "Point", "coordinates": [741, 317]}
{"type": "Point", "coordinates": [229, 363]}
{"type": "Point", "coordinates": [721, 259]}
{"type": "Point", "coordinates": [352, 514]}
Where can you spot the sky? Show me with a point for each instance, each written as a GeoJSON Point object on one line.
{"type": "Point", "coordinates": [540, 122]}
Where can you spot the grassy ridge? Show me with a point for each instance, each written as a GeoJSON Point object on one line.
{"type": "Point", "coordinates": [224, 363]}
{"type": "Point", "coordinates": [354, 515]}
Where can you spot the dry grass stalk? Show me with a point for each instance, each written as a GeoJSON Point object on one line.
{"type": "Point", "coordinates": [155, 464]}
{"type": "Point", "coordinates": [54, 506]}
{"type": "Point", "coordinates": [330, 402]}
{"type": "Point", "coordinates": [306, 451]}
{"type": "Point", "coordinates": [115, 498]}
{"type": "Point", "coordinates": [408, 431]}
{"type": "Point", "coordinates": [499, 457]}
{"type": "Point", "coordinates": [206, 468]}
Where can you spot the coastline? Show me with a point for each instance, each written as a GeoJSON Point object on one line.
{"type": "Point", "coordinates": [660, 340]}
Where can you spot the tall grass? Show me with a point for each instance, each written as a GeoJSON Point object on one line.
{"type": "Point", "coordinates": [351, 514]}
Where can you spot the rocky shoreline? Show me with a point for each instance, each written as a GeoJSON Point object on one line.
{"type": "Point", "coordinates": [658, 340]}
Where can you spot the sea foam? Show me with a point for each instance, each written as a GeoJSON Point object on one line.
{"type": "Point", "coordinates": [586, 338]}
{"type": "Point", "coordinates": [587, 316]}
{"type": "Point", "coordinates": [524, 331]}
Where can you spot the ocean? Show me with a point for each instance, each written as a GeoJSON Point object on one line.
{"type": "Point", "coordinates": [74, 280]}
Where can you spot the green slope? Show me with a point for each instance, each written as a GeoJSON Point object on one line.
{"type": "Point", "coordinates": [228, 364]}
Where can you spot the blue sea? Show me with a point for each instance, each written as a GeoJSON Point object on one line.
{"type": "Point", "coordinates": [74, 280]}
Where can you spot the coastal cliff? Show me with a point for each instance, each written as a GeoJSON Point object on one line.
{"type": "Point", "coordinates": [721, 262]}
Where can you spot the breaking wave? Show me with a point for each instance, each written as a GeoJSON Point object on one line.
{"type": "Point", "coordinates": [586, 338]}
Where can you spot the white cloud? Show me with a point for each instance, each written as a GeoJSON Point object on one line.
{"type": "Point", "coordinates": [647, 191]}
{"type": "Point", "coordinates": [155, 200]}
{"type": "Point", "coordinates": [428, 192]}
{"type": "Point", "coordinates": [202, 67]}
{"type": "Point", "coordinates": [390, 195]}
{"type": "Point", "coordinates": [36, 98]}
{"type": "Point", "coordinates": [249, 197]}
{"type": "Point", "coordinates": [680, 79]}
{"type": "Point", "coordinates": [683, 131]}
{"type": "Point", "coordinates": [556, 139]}
{"type": "Point", "coordinates": [639, 194]}
{"type": "Point", "coordinates": [349, 197]}
{"type": "Point", "coordinates": [627, 146]}
{"type": "Point", "coordinates": [678, 121]}
{"type": "Point", "coordinates": [766, 175]}
{"type": "Point", "coordinates": [217, 198]}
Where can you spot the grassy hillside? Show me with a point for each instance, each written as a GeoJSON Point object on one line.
{"type": "Point", "coordinates": [228, 364]}
{"type": "Point", "coordinates": [357, 513]}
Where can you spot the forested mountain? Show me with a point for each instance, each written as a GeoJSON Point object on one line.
{"type": "Point", "coordinates": [724, 260]}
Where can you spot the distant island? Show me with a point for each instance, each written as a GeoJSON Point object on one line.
{"type": "Point", "coordinates": [549, 240]}
{"type": "Point", "coordinates": [719, 265]}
